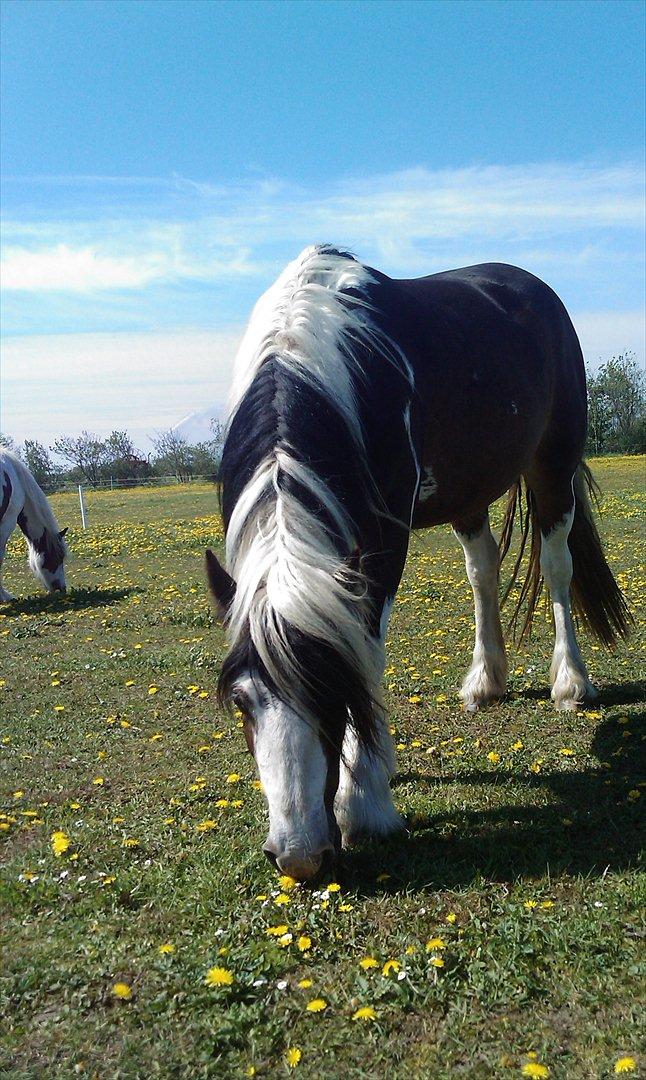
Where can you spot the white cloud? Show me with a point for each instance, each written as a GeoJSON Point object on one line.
{"type": "Point", "coordinates": [60, 384]}
{"type": "Point", "coordinates": [608, 333]}
{"type": "Point", "coordinates": [82, 269]}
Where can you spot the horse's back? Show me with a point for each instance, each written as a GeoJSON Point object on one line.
{"type": "Point", "coordinates": [500, 377]}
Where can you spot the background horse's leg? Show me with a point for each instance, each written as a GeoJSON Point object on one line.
{"type": "Point", "coordinates": [364, 803]}
{"type": "Point", "coordinates": [486, 679]}
{"type": "Point", "coordinates": [7, 526]}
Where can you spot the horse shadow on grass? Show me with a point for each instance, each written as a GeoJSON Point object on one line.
{"type": "Point", "coordinates": [592, 825]}
{"type": "Point", "coordinates": [60, 603]}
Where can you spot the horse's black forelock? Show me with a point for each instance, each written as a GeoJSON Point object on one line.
{"type": "Point", "coordinates": [329, 691]}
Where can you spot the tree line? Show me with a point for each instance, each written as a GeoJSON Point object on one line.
{"type": "Point", "coordinates": [616, 425]}
{"type": "Point", "coordinates": [93, 461]}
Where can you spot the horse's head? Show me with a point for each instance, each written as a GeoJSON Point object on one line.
{"type": "Point", "coordinates": [47, 556]}
{"type": "Point", "coordinates": [295, 734]}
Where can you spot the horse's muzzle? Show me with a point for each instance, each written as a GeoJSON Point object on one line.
{"type": "Point", "coordinates": [302, 866]}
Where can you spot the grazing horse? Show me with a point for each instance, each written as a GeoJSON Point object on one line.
{"type": "Point", "coordinates": [24, 503]}
{"type": "Point", "coordinates": [364, 407]}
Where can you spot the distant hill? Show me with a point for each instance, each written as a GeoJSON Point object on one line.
{"type": "Point", "coordinates": [196, 427]}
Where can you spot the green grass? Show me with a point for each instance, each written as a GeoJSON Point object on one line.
{"type": "Point", "coordinates": [522, 854]}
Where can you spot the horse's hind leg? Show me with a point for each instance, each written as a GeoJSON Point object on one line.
{"type": "Point", "coordinates": [555, 507]}
{"type": "Point", "coordinates": [486, 680]}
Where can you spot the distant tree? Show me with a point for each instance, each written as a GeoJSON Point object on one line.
{"type": "Point", "coordinates": [172, 455]}
{"type": "Point", "coordinates": [616, 407]}
{"type": "Point", "coordinates": [205, 458]}
{"type": "Point", "coordinates": [123, 462]}
{"type": "Point", "coordinates": [87, 453]}
{"type": "Point", "coordinates": [7, 443]}
{"type": "Point", "coordinates": [37, 459]}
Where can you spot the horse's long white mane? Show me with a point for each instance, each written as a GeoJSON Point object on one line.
{"type": "Point", "coordinates": [285, 562]}
{"type": "Point", "coordinates": [34, 496]}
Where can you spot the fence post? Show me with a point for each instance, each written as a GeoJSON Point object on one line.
{"type": "Point", "coordinates": [82, 504]}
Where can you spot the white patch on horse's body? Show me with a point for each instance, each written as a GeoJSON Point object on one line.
{"type": "Point", "coordinates": [486, 679]}
{"type": "Point", "coordinates": [29, 504]}
{"type": "Point", "coordinates": [568, 675]}
{"type": "Point", "coordinates": [514, 408]}
{"type": "Point", "coordinates": [427, 485]}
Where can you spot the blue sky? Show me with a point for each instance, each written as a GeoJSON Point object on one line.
{"type": "Point", "coordinates": [163, 161]}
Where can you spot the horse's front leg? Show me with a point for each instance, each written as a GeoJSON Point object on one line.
{"type": "Point", "coordinates": [364, 804]}
{"type": "Point", "coordinates": [5, 533]}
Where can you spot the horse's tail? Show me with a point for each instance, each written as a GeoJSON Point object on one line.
{"type": "Point", "coordinates": [597, 601]}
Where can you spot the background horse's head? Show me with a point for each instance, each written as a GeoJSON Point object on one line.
{"type": "Point", "coordinates": [295, 728]}
{"type": "Point", "coordinates": [47, 554]}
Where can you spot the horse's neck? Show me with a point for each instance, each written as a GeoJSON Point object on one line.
{"type": "Point", "coordinates": [31, 519]}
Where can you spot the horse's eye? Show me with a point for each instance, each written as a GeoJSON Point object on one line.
{"type": "Point", "coordinates": [241, 701]}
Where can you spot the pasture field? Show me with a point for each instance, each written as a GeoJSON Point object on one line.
{"type": "Point", "coordinates": [145, 935]}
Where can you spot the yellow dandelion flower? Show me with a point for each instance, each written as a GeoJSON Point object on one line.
{"type": "Point", "coordinates": [282, 899]}
{"type": "Point", "coordinates": [366, 1012]}
{"type": "Point", "coordinates": [292, 1056]}
{"type": "Point", "coordinates": [304, 943]}
{"type": "Point", "coordinates": [233, 778]}
{"type": "Point", "coordinates": [368, 962]}
{"type": "Point", "coordinates": [435, 943]}
{"type": "Point", "coordinates": [493, 757]}
{"type": "Point", "coordinates": [218, 976]}
{"type": "Point", "coordinates": [59, 708]}
{"type": "Point", "coordinates": [98, 781]}
{"type": "Point", "coordinates": [316, 1005]}
{"type": "Point", "coordinates": [60, 843]}
{"type": "Point", "coordinates": [305, 984]}
{"type": "Point", "coordinates": [287, 883]}
{"type": "Point", "coordinates": [122, 991]}
{"type": "Point", "coordinates": [130, 842]}
{"type": "Point", "coordinates": [390, 965]}
{"type": "Point", "coordinates": [437, 961]}
{"type": "Point", "coordinates": [277, 931]}
{"type": "Point", "coordinates": [625, 1065]}
{"type": "Point", "coordinates": [334, 887]}
{"type": "Point", "coordinates": [451, 917]}
{"type": "Point", "coordinates": [152, 690]}
{"type": "Point", "coordinates": [565, 750]}
{"type": "Point", "coordinates": [167, 947]}
{"type": "Point", "coordinates": [535, 1070]}
{"type": "Point", "coordinates": [206, 825]}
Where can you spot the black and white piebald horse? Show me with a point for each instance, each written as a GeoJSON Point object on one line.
{"type": "Point", "coordinates": [23, 502]}
{"type": "Point", "coordinates": [364, 407]}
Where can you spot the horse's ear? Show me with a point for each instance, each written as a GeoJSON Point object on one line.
{"type": "Point", "coordinates": [62, 532]}
{"type": "Point", "coordinates": [221, 584]}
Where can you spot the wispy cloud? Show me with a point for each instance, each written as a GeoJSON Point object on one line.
{"type": "Point", "coordinates": [168, 269]}
{"type": "Point", "coordinates": [409, 222]}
